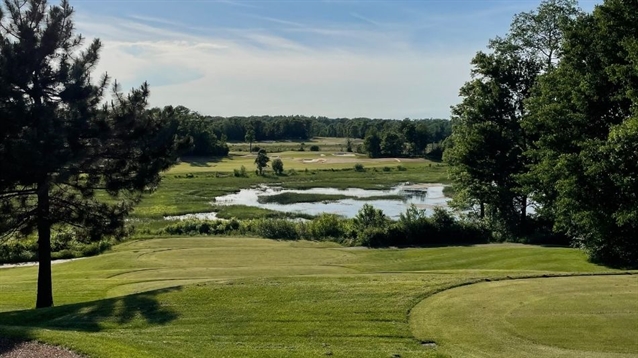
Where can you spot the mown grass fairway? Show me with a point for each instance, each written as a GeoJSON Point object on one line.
{"type": "Point", "coordinates": [241, 297]}
{"type": "Point", "coordinates": [552, 317]}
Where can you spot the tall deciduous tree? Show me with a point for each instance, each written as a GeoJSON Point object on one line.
{"type": "Point", "coordinates": [488, 141]}
{"type": "Point", "coordinates": [59, 144]}
{"type": "Point", "coordinates": [261, 161]}
{"type": "Point", "coordinates": [372, 143]}
{"type": "Point", "coordinates": [250, 137]}
{"type": "Point", "coordinates": [585, 118]}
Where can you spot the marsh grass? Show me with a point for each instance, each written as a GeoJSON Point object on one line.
{"type": "Point", "coordinates": [293, 198]}
{"type": "Point", "coordinates": [180, 194]}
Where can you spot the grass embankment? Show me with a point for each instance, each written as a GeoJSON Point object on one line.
{"type": "Point", "coordinates": [260, 298]}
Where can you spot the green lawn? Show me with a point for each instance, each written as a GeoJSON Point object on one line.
{"type": "Point", "coordinates": [242, 297]}
{"type": "Point", "coordinates": [555, 317]}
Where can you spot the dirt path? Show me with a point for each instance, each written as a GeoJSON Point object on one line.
{"type": "Point", "coordinates": [17, 349]}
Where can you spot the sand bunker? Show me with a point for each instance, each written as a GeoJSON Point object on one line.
{"type": "Point", "coordinates": [344, 155]}
{"type": "Point", "coordinates": [314, 160]}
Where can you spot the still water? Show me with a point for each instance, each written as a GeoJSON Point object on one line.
{"type": "Point", "coordinates": [427, 197]}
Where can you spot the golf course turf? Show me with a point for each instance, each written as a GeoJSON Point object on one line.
{"type": "Point", "coordinates": [242, 297]}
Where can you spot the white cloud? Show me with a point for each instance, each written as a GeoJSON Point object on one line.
{"type": "Point", "coordinates": [245, 72]}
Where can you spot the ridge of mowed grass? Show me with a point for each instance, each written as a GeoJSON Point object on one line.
{"type": "Point", "coordinates": [242, 297]}
{"type": "Point", "coordinates": [185, 192]}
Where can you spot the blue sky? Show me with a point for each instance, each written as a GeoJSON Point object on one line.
{"type": "Point", "coordinates": [335, 58]}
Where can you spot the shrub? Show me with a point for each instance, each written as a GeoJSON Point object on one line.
{"type": "Point", "coordinates": [371, 237]}
{"type": "Point", "coordinates": [369, 217]}
{"type": "Point", "coordinates": [387, 169]}
{"type": "Point", "coordinates": [256, 149]}
{"type": "Point", "coordinates": [401, 168]}
{"type": "Point", "coordinates": [280, 229]}
{"type": "Point", "coordinates": [359, 167]}
{"type": "Point", "coordinates": [325, 226]}
{"type": "Point", "coordinates": [241, 173]}
{"type": "Point", "coordinates": [314, 148]}
{"type": "Point", "coordinates": [202, 227]}
{"type": "Point", "coordinates": [278, 166]}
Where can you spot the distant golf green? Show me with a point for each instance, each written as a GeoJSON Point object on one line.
{"type": "Point", "coordinates": [242, 297]}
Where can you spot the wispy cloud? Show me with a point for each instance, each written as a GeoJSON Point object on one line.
{"type": "Point", "coordinates": [365, 19]}
{"type": "Point", "coordinates": [341, 70]}
{"type": "Point", "coordinates": [277, 21]}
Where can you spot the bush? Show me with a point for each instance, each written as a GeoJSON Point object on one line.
{"type": "Point", "coordinates": [278, 166]}
{"type": "Point", "coordinates": [241, 173]}
{"type": "Point", "coordinates": [369, 217]}
{"type": "Point", "coordinates": [202, 227]}
{"type": "Point", "coordinates": [280, 229]}
{"type": "Point", "coordinates": [325, 226]}
{"type": "Point", "coordinates": [387, 169]}
{"type": "Point", "coordinates": [373, 237]}
{"type": "Point", "coordinates": [359, 167]}
{"type": "Point", "coordinates": [314, 148]}
{"type": "Point", "coordinates": [401, 168]}
{"type": "Point", "coordinates": [256, 149]}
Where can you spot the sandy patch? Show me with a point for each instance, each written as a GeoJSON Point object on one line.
{"type": "Point", "coordinates": [27, 264]}
{"type": "Point", "coordinates": [344, 155]}
{"type": "Point", "coordinates": [314, 161]}
{"type": "Point", "coordinates": [19, 349]}
{"type": "Point", "coordinates": [418, 186]}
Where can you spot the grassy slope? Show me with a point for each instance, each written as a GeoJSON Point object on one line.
{"type": "Point", "coordinates": [555, 317]}
{"type": "Point", "coordinates": [249, 297]}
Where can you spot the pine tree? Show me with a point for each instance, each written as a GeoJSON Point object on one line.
{"type": "Point", "coordinates": [61, 143]}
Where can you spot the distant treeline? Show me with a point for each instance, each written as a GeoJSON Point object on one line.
{"type": "Point", "coordinates": [210, 134]}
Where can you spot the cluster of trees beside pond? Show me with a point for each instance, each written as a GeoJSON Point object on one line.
{"type": "Point", "coordinates": [550, 119]}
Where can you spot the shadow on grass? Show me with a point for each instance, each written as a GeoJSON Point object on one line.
{"type": "Point", "coordinates": [8, 345]}
{"type": "Point", "coordinates": [204, 162]}
{"type": "Point", "coordinates": [138, 310]}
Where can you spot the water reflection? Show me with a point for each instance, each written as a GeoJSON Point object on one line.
{"type": "Point", "coordinates": [425, 196]}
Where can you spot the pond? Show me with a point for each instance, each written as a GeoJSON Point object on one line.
{"type": "Point", "coordinates": [396, 201]}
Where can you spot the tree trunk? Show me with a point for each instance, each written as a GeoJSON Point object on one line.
{"type": "Point", "coordinates": [45, 286]}
{"type": "Point", "coordinates": [482, 210]}
{"type": "Point", "coordinates": [524, 214]}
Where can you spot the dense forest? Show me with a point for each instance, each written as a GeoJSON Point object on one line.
{"type": "Point", "coordinates": [383, 136]}
{"type": "Point", "coordinates": [545, 140]}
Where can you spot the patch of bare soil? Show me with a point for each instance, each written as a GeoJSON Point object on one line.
{"type": "Point", "coordinates": [18, 349]}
